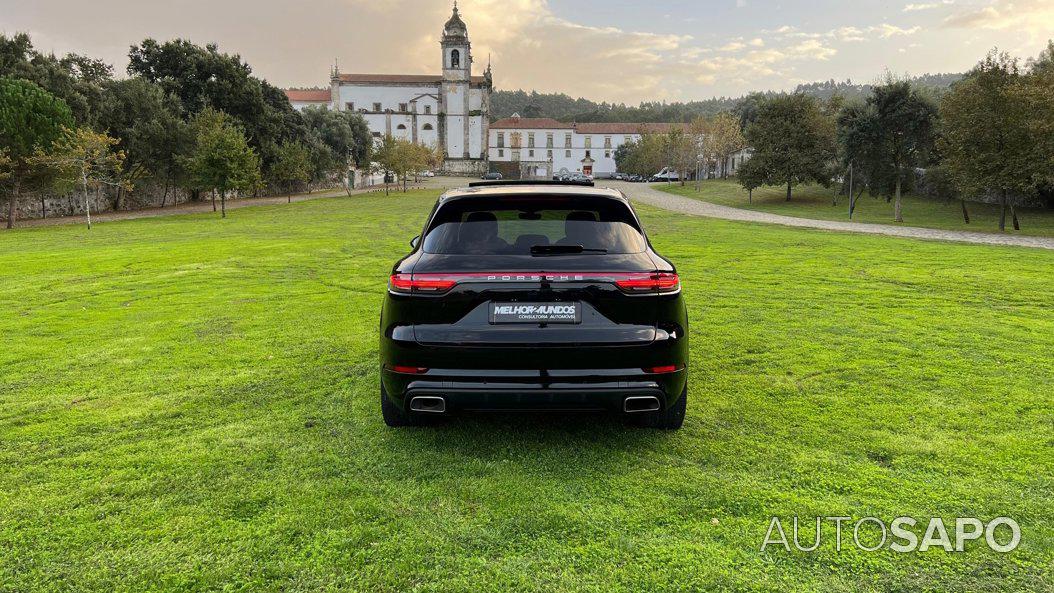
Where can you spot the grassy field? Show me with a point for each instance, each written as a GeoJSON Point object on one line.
{"type": "Point", "coordinates": [814, 201]}
{"type": "Point", "coordinates": [191, 404]}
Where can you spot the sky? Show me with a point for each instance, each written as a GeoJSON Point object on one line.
{"type": "Point", "coordinates": [605, 50]}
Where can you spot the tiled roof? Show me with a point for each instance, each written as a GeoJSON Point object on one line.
{"type": "Point", "coordinates": [547, 123]}
{"type": "Point", "coordinates": [399, 78]}
{"type": "Point", "coordinates": [534, 123]}
{"type": "Point", "coordinates": [308, 95]}
{"type": "Point", "coordinates": [625, 128]}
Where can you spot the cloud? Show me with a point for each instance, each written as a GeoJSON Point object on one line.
{"type": "Point", "coordinates": [1033, 17]}
{"type": "Point", "coordinates": [927, 6]}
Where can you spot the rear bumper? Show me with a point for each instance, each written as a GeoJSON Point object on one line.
{"type": "Point", "coordinates": [562, 389]}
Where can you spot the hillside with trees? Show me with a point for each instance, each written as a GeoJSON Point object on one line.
{"type": "Point", "coordinates": [566, 108]}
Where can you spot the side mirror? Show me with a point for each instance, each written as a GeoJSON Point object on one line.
{"type": "Point", "coordinates": [415, 241]}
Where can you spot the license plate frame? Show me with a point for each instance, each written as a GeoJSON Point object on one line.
{"type": "Point", "coordinates": [551, 312]}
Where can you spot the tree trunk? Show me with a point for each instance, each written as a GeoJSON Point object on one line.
{"type": "Point", "coordinates": [1002, 211]}
{"type": "Point", "coordinates": [87, 205]}
{"type": "Point", "coordinates": [750, 196]}
{"type": "Point", "coordinates": [117, 199]}
{"type": "Point", "coordinates": [966, 213]}
{"type": "Point", "coordinates": [213, 200]}
{"type": "Point", "coordinates": [788, 191]}
{"type": "Point", "coordinates": [897, 214]}
{"type": "Point", "coordinates": [1013, 216]}
{"type": "Point", "coordinates": [43, 208]}
{"type": "Point", "coordinates": [11, 201]}
{"type": "Point", "coordinates": [164, 196]}
{"type": "Point", "coordinates": [223, 204]}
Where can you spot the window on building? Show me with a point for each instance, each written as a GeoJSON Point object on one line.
{"type": "Point", "coordinates": [567, 142]}
{"type": "Point", "coordinates": [567, 153]}
{"type": "Point", "coordinates": [549, 153]}
{"type": "Point", "coordinates": [530, 153]}
{"type": "Point", "coordinates": [376, 106]}
{"type": "Point", "coordinates": [607, 141]}
{"type": "Point", "coordinates": [530, 139]}
{"type": "Point", "coordinates": [587, 154]}
{"type": "Point", "coordinates": [404, 107]}
{"type": "Point", "coordinates": [549, 140]}
{"type": "Point", "coordinates": [589, 142]}
{"type": "Point", "coordinates": [350, 106]}
{"type": "Point", "coordinates": [400, 127]}
{"type": "Point", "coordinates": [376, 134]}
{"type": "Point", "coordinates": [426, 127]}
{"type": "Point", "coordinates": [607, 154]}
{"type": "Point", "coordinates": [455, 58]}
{"type": "Point", "coordinates": [501, 139]}
{"type": "Point", "coordinates": [627, 140]}
{"type": "Point", "coordinates": [501, 152]}
{"type": "Point", "coordinates": [428, 110]}
{"type": "Point", "coordinates": [517, 139]}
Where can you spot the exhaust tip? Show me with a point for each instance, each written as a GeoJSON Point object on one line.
{"type": "Point", "coordinates": [433, 404]}
{"type": "Point", "coordinates": [641, 403]}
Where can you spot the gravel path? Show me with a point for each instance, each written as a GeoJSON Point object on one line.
{"type": "Point", "coordinates": [643, 193]}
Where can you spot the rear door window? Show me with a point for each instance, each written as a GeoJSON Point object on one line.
{"type": "Point", "coordinates": [518, 225]}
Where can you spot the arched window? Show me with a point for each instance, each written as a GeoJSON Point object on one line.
{"type": "Point", "coordinates": [400, 127]}
{"type": "Point", "coordinates": [455, 58]}
{"type": "Point", "coordinates": [427, 127]}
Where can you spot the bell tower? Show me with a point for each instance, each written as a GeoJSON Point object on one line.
{"type": "Point", "coordinates": [457, 51]}
{"type": "Point", "coordinates": [455, 88]}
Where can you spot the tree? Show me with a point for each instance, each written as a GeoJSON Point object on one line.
{"type": "Point", "coordinates": [793, 143]}
{"type": "Point", "coordinates": [202, 77]}
{"type": "Point", "coordinates": [386, 158]}
{"type": "Point", "coordinates": [31, 119]}
{"type": "Point", "coordinates": [340, 138]}
{"type": "Point", "coordinates": [83, 158]}
{"type": "Point", "coordinates": [859, 139]}
{"type": "Point", "coordinates": [1043, 64]}
{"type": "Point", "coordinates": [903, 133]}
{"type": "Point", "coordinates": [149, 127]}
{"type": "Point", "coordinates": [723, 137]}
{"type": "Point", "coordinates": [221, 160]}
{"type": "Point", "coordinates": [76, 80]}
{"type": "Point", "coordinates": [292, 166]}
{"type": "Point", "coordinates": [987, 138]}
{"type": "Point", "coordinates": [683, 149]}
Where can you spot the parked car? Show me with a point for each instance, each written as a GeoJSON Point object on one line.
{"type": "Point", "coordinates": [491, 176]}
{"type": "Point", "coordinates": [666, 175]}
{"type": "Point", "coordinates": [427, 174]}
{"type": "Point", "coordinates": [470, 322]}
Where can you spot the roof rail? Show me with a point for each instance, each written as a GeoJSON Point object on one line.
{"type": "Point", "coordinates": [500, 182]}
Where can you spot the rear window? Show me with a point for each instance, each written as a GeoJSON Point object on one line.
{"type": "Point", "coordinates": [519, 225]}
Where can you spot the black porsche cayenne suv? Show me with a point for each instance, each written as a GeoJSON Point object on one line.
{"type": "Point", "coordinates": [541, 296]}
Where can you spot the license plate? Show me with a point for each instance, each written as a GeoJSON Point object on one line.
{"type": "Point", "coordinates": [535, 312]}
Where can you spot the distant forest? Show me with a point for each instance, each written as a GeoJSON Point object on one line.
{"type": "Point", "coordinates": [565, 108]}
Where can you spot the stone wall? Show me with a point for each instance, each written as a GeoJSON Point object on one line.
{"type": "Point", "coordinates": [45, 204]}
{"type": "Point", "coordinates": [466, 167]}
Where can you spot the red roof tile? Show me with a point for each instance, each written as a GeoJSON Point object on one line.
{"type": "Point", "coordinates": [535, 123]}
{"type": "Point", "coordinates": [399, 78]}
{"type": "Point", "coordinates": [625, 128]}
{"type": "Point", "coordinates": [308, 95]}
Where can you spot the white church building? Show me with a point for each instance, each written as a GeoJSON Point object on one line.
{"type": "Point", "coordinates": [544, 146]}
{"type": "Point", "coordinates": [450, 110]}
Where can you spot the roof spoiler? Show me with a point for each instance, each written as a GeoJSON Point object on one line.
{"type": "Point", "coordinates": [501, 182]}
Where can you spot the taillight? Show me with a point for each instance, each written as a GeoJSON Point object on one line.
{"type": "Point", "coordinates": [426, 283]}
{"type": "Point", "coordinates": [408, 370]}
{"type": "Point", "coordinates": [649, 282]}
{"type": "Point", "coordinates": [662, 370]}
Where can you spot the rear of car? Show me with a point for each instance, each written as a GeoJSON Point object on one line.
{"type": "Point", "coordinates": [534, 297]}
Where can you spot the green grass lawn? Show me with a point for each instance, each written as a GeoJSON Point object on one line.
{"type": "Point", "coordinates": [190, 403]}
{"type": "Point", "coordinates": [814, 201]}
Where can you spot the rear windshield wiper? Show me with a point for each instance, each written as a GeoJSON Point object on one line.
{"type": "Point", "coordinates": [563, 249]}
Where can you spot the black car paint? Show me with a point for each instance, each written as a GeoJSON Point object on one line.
{"type": "Point", "coordinates": [476, 365]}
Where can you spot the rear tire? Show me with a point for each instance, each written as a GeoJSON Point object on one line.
{"type": "Point", "coordinates": [393, 416]}
{"type": "Point", "coordinates": [669, 419]}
